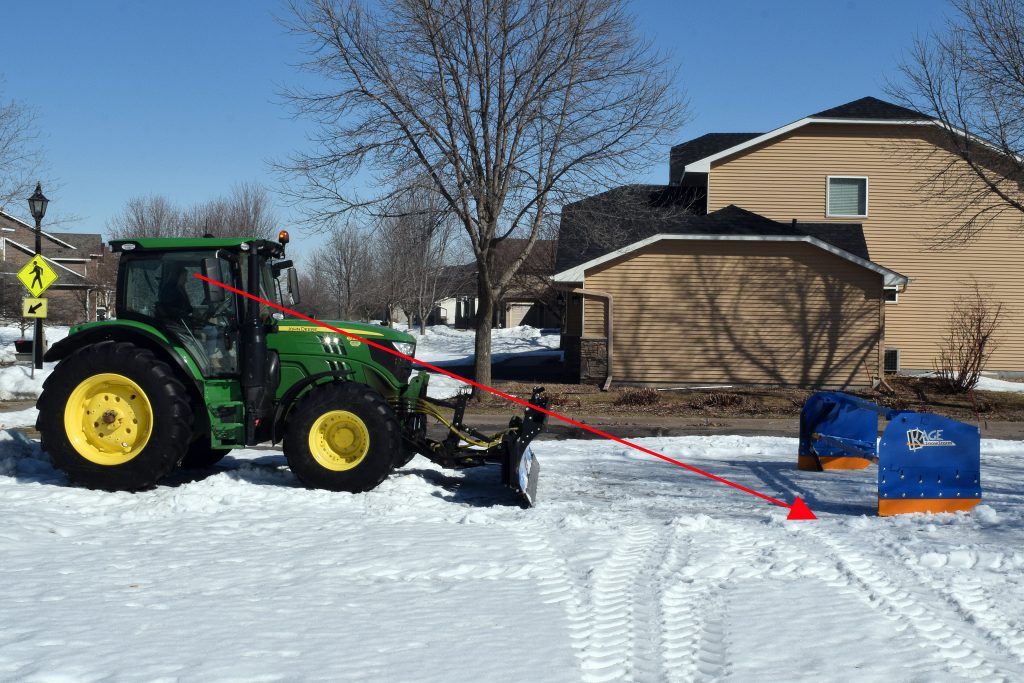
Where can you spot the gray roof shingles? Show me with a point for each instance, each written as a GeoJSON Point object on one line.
{"type": "Point", "coordinates": [576, 245]}
{"type": "Point", "coordinates": [698, 148]}
{"type": "Point", "coordinates": [871, 108]}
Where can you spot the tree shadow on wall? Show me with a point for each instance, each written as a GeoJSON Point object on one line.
{"type": "Point", "coordinates": [790, 318]}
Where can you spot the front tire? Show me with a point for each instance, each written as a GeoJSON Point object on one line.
{"type": "Point", "coordinates": [342, 437]}
{"type": "Point", "coordinates": [114, 417]}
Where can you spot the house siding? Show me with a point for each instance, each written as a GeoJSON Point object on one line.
{"type": "Point", "coordinates": [699, 312]}
{"type": "Point", "coordinates": [786, 179]}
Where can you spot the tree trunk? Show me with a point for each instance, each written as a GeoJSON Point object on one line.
{"type": "Point", "coordinates": [484, 319]}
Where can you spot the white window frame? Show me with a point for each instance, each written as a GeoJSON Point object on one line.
{"type": "Point", "coordinates": [891, 289]}
{"type": "Point", "coordinates": [828, 191]}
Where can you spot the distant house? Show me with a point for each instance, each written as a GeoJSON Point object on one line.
{"type": "Point", "coordinates": [781, 258]}
{"type": "Point", "coordinates": [530, 300]}
{"type": "Point", "coordinates": [75, 257]}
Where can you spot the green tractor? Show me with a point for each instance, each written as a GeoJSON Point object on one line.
{"type": "Point", "coordinates": [189, 371]}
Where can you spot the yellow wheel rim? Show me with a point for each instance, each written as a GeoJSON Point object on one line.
{"type": "Point", "coordinates": [339, 440]}
{"type": "Point", "coordinates": [108, 419]}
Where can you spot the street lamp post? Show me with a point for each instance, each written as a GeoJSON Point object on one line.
{"type": "Point", "coordinates": [37, 205]}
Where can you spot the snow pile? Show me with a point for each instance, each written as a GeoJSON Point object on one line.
{"type": "Point", "coordinates": [629, 569]}
{"type": "Point", "coordinates": [10, 333]}
{"type": "Point", "coordinates": [16, 382]}
{"type": "Point", "coordinates": [993, 384]}
{"type": "Point", "coordinates": [443, 345]}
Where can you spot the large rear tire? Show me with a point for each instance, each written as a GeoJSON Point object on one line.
{"type": "Point", "coordinates": [342, 437]}
{"type": "Point", "coordinates": [114, 417]}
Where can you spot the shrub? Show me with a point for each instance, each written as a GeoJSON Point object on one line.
{"type": "Point", "coordinates": [717, 399]}
{"type": "Point", "coordinates": [639, 396]}
{"type": "Point", "coordinates": [969, 341]}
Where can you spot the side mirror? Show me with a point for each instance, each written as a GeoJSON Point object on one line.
{"type": "Point", "coordinates": [293, 285]}
{"type": "Point", "coordinates": [211, 269]}
{"type": "Point", "coordinates": [279, 267]}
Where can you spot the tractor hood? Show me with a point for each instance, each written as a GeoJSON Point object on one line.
{"type": "Point", "coordinates": [368, 332]}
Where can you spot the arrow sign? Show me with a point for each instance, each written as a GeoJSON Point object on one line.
{"type": "Point", "coordinates": [33, 308]}
{"type": "Point", "coordinates": [798, 510]}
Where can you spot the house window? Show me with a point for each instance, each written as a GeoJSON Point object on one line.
{"type": "Point", "coordinates": [891, 361]}
{"type": "Point", "coordinates": [892, 295]}
{"type": "Point", "coordinates": [847, 196]}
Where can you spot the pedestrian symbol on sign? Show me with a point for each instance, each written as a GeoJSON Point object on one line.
{"type": "Point", "coordinates": [37, 275]}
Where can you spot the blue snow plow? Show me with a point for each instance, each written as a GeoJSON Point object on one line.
{"type": "Point", "coordinates": [926, 463]}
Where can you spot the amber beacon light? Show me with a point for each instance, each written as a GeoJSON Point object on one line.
{"type": "Point", "coordinates": [282, 237]}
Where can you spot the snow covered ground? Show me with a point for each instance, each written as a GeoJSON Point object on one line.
{"type": "Point", "coordinates": [628, 569]}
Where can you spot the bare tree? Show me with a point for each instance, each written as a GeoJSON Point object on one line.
{"type": "Point", "coordinates": [415, 241]}
{"type": "Point", "coordinates": [969, 76]}
{"type": "Point", "coordinates": [152, 216]}
{"type": "Point", "coordinates": [510, 108]}
{"type": "Point", "coordinates": [970, 340]}
{"type": "Point", "coordinates": [245, 212]}
{"type": "Point", "coordinates": [20, 155]}
{"type": "Point", "coordinates": [342, 272]}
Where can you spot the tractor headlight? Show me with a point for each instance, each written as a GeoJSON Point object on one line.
{"type": "Point", "coordinates": [407, 348]}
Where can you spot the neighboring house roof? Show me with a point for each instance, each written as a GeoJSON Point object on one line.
{"type": "Point", "coordinates": [611, 219]}
{"type": "Point", "coordinates": [29, 251]}
{"type": "Point", "coordinates": [698, 148]}
{"type": "Point", "coordinates": [64, 246]}
{"type": "Point", "coordinates": [541, 260]}
{"type": "Point", "coordinates": [866, 110]}
{"type": "Point", "coordinates": [733, 223]}
{"type": "Point", "coordinates": [540, 263]}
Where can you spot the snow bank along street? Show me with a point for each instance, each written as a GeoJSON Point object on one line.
{"type": "Point", "coordinates": [628, 569]}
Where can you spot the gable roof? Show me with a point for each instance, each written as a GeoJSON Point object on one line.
{"type": "Point", "coordinates": [871, 108]}
{"type": "Point", "coordinates": [63, 245]}
{"type": "Point", "coordinates": [609, 220]}
{"type": "Point", "coordinates": [866, 110]}
{"type": "Point", "coordinates": [698, 148]}
{"type": "Point", "coordinates": [731, 223]}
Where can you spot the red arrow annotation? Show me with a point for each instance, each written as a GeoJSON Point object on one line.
{"type": "Point", "coordinates": [797, 510]}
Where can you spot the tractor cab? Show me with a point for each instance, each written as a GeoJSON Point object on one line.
{"type": "Point", "coordinates": [157, 285]}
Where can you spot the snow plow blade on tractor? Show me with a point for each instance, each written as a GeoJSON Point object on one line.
{"type": "Point", "coordinates": [466, 447]}
{"type": "Point", "coordinates": [926, 462]}
{"type": "Point", "coordinates": [198, 362]}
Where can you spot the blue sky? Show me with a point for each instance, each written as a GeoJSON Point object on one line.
{"type": "Point", "coordinates": [179, 98]}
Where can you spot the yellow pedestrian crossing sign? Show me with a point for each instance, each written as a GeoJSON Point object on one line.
{"type": "Point", "coordinates": [33, 308]}
{"type": "Point", "coordinates": [37, 275]}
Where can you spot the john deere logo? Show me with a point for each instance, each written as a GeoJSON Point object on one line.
{"type": "Point", "coordinates": [918, 439]}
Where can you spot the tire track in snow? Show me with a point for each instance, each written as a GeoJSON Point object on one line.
{"type": "Point", "coordinates": [555, 584]}
{"type": "Point", "coordinates": [899, 605]}
{"type": "Point", "coordinates": [622, 606]}
{"type": "Point", "coordinates": [967, 595]}
{"type": "Point", "coordinates": [694, 638]}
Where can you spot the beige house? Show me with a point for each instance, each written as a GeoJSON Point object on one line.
{"type": "Point", "coordinates": [692, 302]}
